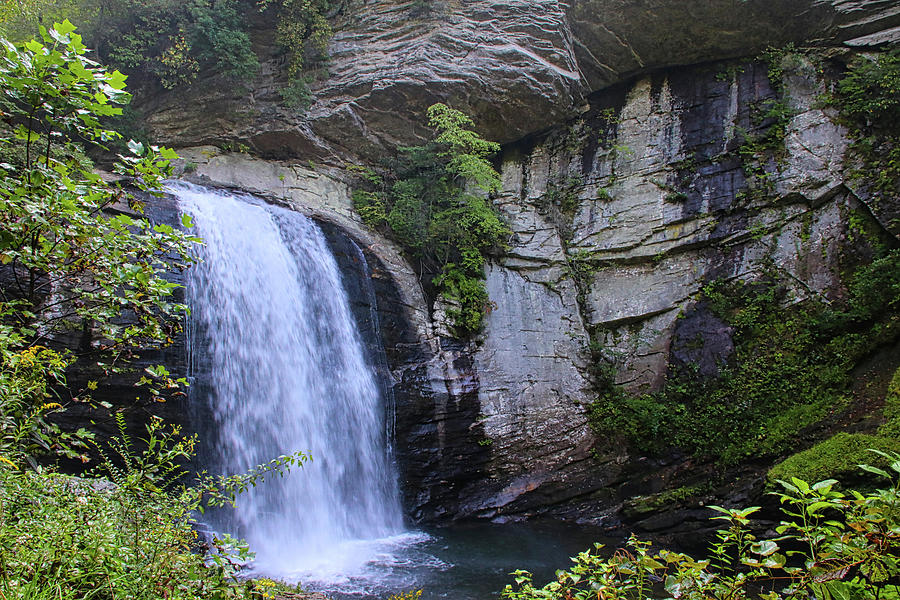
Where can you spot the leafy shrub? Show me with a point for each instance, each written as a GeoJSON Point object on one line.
{"type": "Point", "coordinates": [869, 94]}
{"type": "Point", "coordinates": [62, 537]}
{"type": "Point", "coordinates": [868, 97]}
{"type": "Point", "coordinates": [423, 201]}
{"type": "Point", "coordinates": [830, 545]}
{"type": "Point", "coordinates": [171, 42]}
{"type": "Point", "coordinates": [56, 234]}
{"type": "Point", "coordinates": [302, 28]}
{"type": "Point", "coordinates": [68, 263]}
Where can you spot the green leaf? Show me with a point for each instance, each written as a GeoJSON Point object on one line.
{"type": "Point", "coordinates": [764, 548]}
{"type": "Point", "coordinates": [135, 148]}
{"type": "Point", "coordinates": [801, 485]}
{"type": "Point", "coordinates": [116, 80]}
{"type": "Point", "coordinates": [815, 507]}
{"type": "Point", "coordinates": [875, 470]}
{"type": "Point", "coordinates": [64, 28]}
{"type": "Point", "coordinates": [839, 590]}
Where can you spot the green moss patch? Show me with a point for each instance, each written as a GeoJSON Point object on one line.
{"type": "Point", "coordinates": [838, 456]}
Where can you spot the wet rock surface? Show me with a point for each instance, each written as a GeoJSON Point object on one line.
{"type": "Point", "coordinates": [626, 189]}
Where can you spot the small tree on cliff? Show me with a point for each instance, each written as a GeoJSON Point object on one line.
{"type": "Point", "coordinates": [434, 200]}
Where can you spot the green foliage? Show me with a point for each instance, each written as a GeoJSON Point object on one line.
{"type": "Point", "coordinates": [76, 254]}
{"type": "Point", "coordinates": [466, 152]}
{"type": "Point", "coordinates": [792, 368]}
{"type": "Point", "coordinates": [891, 426]}
{"type": "Point", "coordinates": [425, 203]}
{"type": "Point", "coordinates": [769, 120]}
{"type": "Point", "coordinates": [830, 546]}
{"type": "Point", "coordinates": [62, 537]}
{"type": "Point", "coordinates": [302, 29]}
{"type": "Point", "coordinates": [868, 97]}
{"type": "Point", "coordinates": [55, 233]}
{"type": "Point", "coordinates": [69, 263]}
{"type": "Point", "coordinates": [26, 376]}
{"type": "Point", "coordinates": [840, 454]}
{"type": "Point", "coordinates": [169, 41]}
{"type": "Point", "coordinates": [172, 40]}
{"type": "Point", "coordinates": [296, 93]}
{"type": "Point", "coordinates": [870, 92]}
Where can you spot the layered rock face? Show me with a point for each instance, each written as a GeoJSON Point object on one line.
{"type": "Point", "coordinates": [625, 187]}
{"type": "Point", "coordinates": [518, 67]}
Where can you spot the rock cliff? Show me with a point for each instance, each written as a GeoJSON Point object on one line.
{"type": "Point", "coordinates": [518, 67]}
{"type": "Point", "coordinates": [623, 182]}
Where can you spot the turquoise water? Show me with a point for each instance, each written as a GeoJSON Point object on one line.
{"type": "Point", "coordinates": [470, 561]}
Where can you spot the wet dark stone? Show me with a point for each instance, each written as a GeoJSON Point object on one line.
{"type": "Point", "coordinates": [434, 416]}
{"type": "Point", "coordinates": [701, 344]}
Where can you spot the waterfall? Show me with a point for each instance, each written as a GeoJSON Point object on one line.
{"type": "Point", "coordinates": [278, 367]}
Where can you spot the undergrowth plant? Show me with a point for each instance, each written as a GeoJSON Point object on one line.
{"type": "Point", "coordinates": [829, 545]}
{"type": "Point", "coordinates": [868, 98]}
{"type": "Point", "coordinates": [770, 117]}
{"type": "Point", "coordinates": [128, 531]}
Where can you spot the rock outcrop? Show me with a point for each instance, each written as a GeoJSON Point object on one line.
{"type": "Point", "coordinates": [518, 67]}
{"type": "Point", "coordinates": [623, 183]}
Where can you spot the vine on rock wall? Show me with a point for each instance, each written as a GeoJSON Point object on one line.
{"type": "Point", "coordinates": [868, 98]}
{"type": "Point", "coordinates": [763, 143]}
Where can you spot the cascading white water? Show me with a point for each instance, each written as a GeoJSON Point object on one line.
{"type": "Point", "coordinates": [277, 359]}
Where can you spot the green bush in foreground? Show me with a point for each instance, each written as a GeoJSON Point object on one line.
{"type": "Point", "coordinates": [74, 259]}
{"type": "Point", "coordinates": [129, 534]}
{"type": "Point", "coordinates": [830, 546]}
